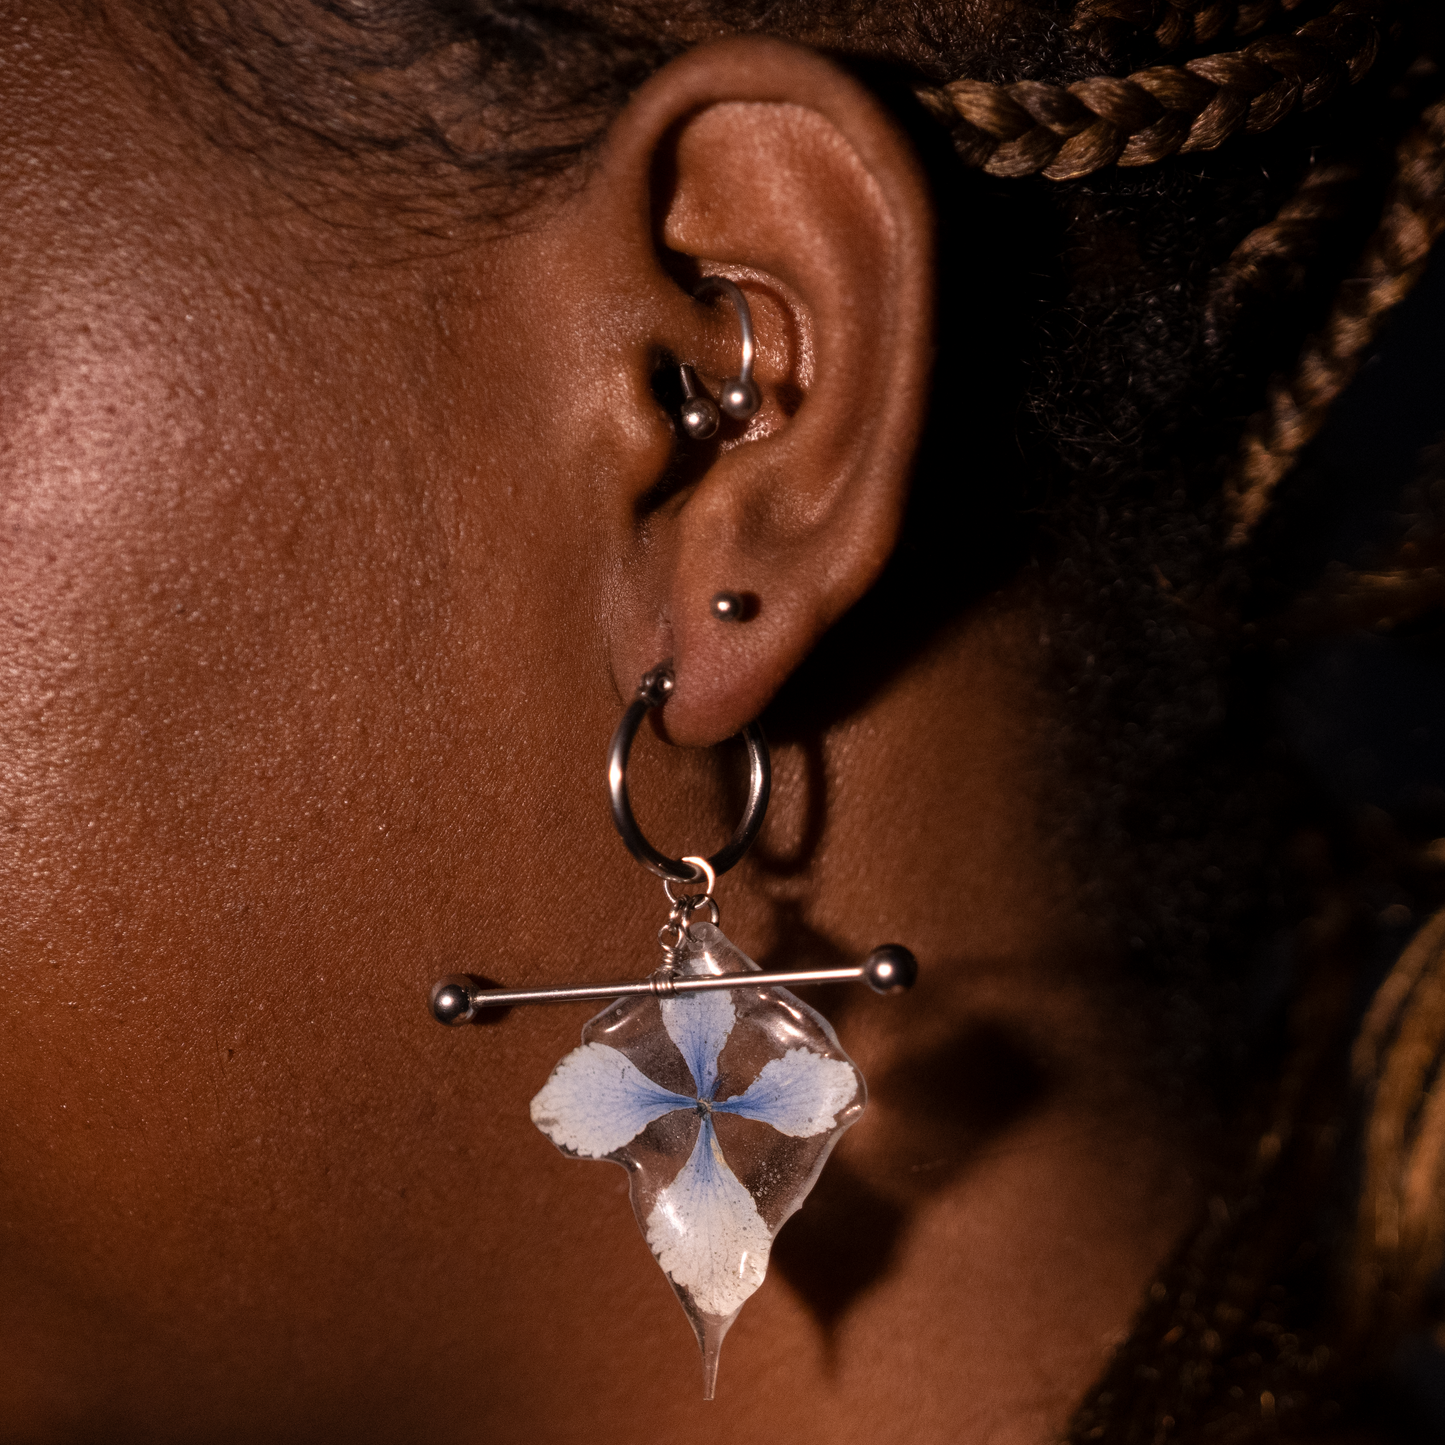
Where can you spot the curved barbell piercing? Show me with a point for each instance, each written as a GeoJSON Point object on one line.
{"type": "Point", "coordinates": [739, 396]}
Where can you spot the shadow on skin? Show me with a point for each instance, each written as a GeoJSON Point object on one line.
{"type": "Point", "coordinates": [941, 1111]}
{"type": "Point", "coordinates": [786, 860]}
{"type": "Point", "coordinates": [932, 1114]}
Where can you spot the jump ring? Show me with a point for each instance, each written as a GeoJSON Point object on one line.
{"type": "Point", "coordinates": [703, 872]}
{"type": "Point", "coordinates": [714, 912]}
{"type": "Point", "coordinates": [653, 692]}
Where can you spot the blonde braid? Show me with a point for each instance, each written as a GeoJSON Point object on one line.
{"type": "Point", "coordinates": [1064, 132]}
{"type": "Point", "coordinates": [1401, 1241]}
{"type": "Point", "coordinates": [1393, 261]}
{"type": "Point", "coordinates": [1273, 255]}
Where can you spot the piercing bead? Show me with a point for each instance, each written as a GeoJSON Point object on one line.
{"type": "Point", "coordinates": [656, 687]}
{"type": "Point", "coordinates": [740, 398]}
{"type": "Point", "coordinates": [699, 417]}
{"type": "Point", "coordinates": [699, 413]}
{"type": "Point", "coordinates": [451, 1000]}
{"type": "Point", "coordinates": [890, 969]}
{"type": "Point", "coordinates": [727, 607]}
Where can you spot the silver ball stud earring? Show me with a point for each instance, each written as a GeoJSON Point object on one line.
{"type": "Point", "coordinates": [699, 410]}
{"type": "Point", "coordinates": [740, 398]}
{"type": "Point", "coordinates": [727, 607]}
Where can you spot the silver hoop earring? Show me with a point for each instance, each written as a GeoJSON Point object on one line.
{"type": "Point", "coordinates": [740, 400]}
{"type": "Point", "coordinates": [675, 1060]}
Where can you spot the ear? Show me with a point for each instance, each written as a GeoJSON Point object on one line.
{"type": "Point", "coordinates": [762, 162]}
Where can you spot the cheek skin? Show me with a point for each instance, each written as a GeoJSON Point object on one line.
{"type": "Point", "coordinates": [305, 706]}
{"type": "Point", "coordinates": [288, 648]}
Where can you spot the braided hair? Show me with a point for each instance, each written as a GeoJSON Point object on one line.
{"type": "Point", "coordinates": [1065, 132]}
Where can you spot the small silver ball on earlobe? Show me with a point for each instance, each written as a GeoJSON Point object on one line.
{"type": "Point", "coordinates": [699, 417]}
{"type": "Point", "coordinates": [727, 607]}
{"type": "Point", "coordinates": [740, 398]}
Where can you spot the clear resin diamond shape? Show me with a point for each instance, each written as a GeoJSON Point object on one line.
{"type": "Point", "coordinates": [722, 1106]}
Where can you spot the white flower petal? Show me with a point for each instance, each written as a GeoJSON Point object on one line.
{"type": "Point", "coordinates": [597, 1100]}
{"type": "Point", "coordinates": [707, 1233]}
{"type": "Point", "coordinates": [699, 1024]}
{"type": "Point", "coordinates": [800, 1094]}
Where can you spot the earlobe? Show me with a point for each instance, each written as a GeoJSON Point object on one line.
{"type": "Point", "coordinates": [763, 163]}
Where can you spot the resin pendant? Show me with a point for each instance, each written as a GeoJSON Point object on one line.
{"type": "Point", "coordinates": [722, 1107]}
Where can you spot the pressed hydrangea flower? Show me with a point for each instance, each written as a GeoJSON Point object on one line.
{"type": "Point", "coordinates": [650, 1089]}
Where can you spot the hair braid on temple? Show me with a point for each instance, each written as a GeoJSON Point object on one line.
{"type": "Point", "coordinates": [1031, 127]}
{"type": "Point", "coordinates": [1394, 259]}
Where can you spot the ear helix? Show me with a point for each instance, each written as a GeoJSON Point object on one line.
{"type": "Point", "coordinates": [700, 414]}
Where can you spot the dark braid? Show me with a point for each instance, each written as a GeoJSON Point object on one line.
{"type": "Point", "coordinates": [1064, 132]}
{"type": "Point", "coordinates": [1176, 23]}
